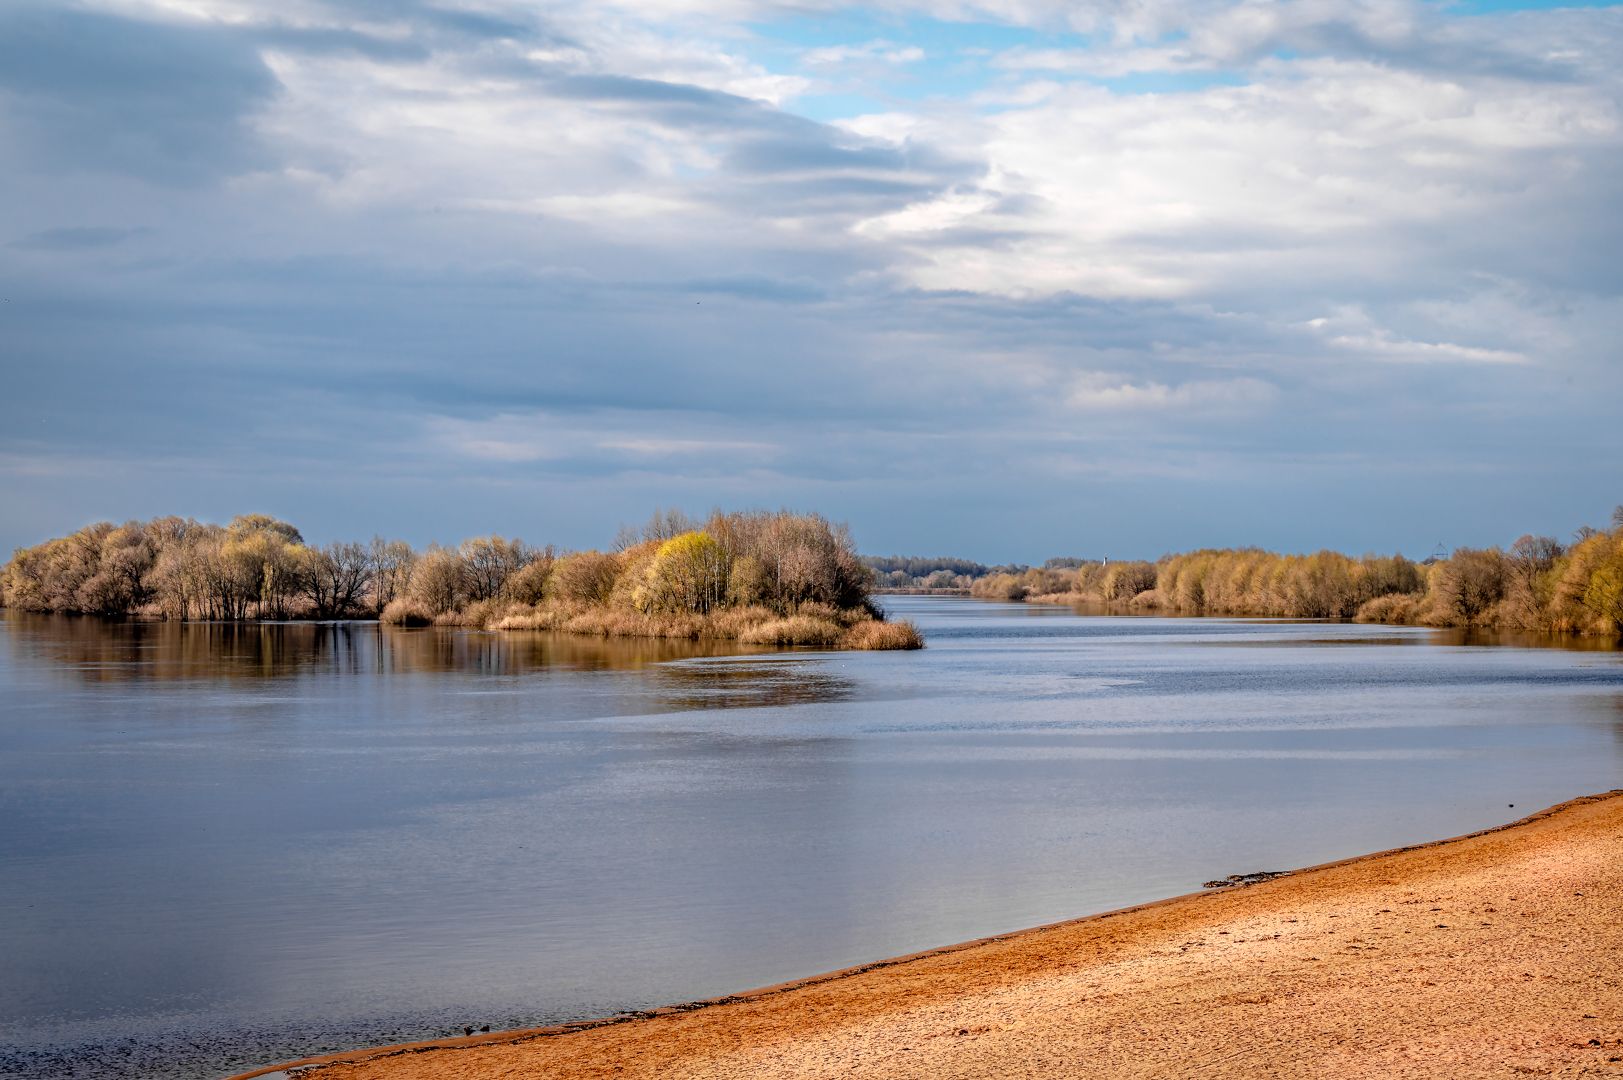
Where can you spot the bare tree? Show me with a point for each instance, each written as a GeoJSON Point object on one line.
{"type": "Point", "coordinates": [335, 578]}
{"type": "Point", "coordinates": [489, 561]}
{"type": "Point", "coordinates": [667, 525]}
{"type": "Point", "coordinates": [438, 581]}
{"type": "Point", "coordinates": [1471, 581]}
{"type": "Point", "coordinates": [528, 584]}
{"type": "Point", "coordinates": [391, 565]}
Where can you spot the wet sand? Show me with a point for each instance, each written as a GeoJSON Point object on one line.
{"type": "Point", "coordinates": [1499, 954]}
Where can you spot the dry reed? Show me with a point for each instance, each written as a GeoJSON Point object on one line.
{"type": "Point", "coordinates": [883, 635]}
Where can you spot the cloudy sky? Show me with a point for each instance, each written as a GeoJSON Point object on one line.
{"type": "Point", "coordinates": [1000, 278]}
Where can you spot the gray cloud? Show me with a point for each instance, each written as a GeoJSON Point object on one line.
{"type": "Point", "coordinates": [430, 19]}
{"type": "Point", "coordinates": [685, 102]}
{"type": "Point", "coordinates": [76, 238]}
{"type": "Point", "coordinates": [167, 102]}
{"type": "Point", "coordinates": [398, 30]}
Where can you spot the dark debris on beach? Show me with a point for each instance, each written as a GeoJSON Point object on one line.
{"type": "Point", "coordinates": [1244, 879]}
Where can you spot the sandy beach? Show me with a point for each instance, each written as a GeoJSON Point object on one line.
{"type": "Point", "coordinates": [1499, 954]}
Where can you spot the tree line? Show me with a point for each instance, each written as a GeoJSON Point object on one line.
{"type": "Point", "coordinates": [254, 568]}
{"type": "Point", "coordinates": [1538, 583]}
{"type": "Point", "coordinates": [774, 577]}
{"type": "Point", "coordinates": [937, 573]}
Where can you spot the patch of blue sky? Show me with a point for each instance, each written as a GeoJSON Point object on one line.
{"type": "Point", "coordinates": [955, 78]}
{"type": "Point", "coordinates": [954, 65]}
{"type": "Point", "coordinates": [829, 107]}
{"type": "Point", "coordinates": [957, 62]}
{"type": "Point", "coordinates": [905, 87]}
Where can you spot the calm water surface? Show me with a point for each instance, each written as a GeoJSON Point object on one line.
{"type": "Point", "coordinates": [224, 846]}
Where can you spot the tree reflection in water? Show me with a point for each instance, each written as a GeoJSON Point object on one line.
{"type": "Point", "coordinates": [105, 651]}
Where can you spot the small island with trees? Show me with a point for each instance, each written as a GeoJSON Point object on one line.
{"type": "Point", "coordinates": [757, 577]}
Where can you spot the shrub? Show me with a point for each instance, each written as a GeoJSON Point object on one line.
{"type": "Point", "coordinates": [1469, 583]}
{"type": "Point", "coordinates": [586, 577]}
{"type": "Point", "coordinates": [479, 615]}
{"type": "Point", "coordinates": [1123, 581]}
{"type": "Point", "coordinates": [406, 612]}
{"type": "Point", "coordinates": [1398, 609]}
{"type": "Point", "coordinates": [999, 587]}
{"type": "Point", "coordinates": [1182, 581]}
{"type": "Point", "coordinates": [529, 620]}
{"type": "Point", "coordinates": [874, 634]}
{"type": "Point", "coordinates": [528, 584]}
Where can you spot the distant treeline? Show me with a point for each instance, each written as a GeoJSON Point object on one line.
{"type": "Point", "coordinates": [940, 572]}
{"type": "Point", "coordinates": [765, 577]}
{"type": "Point", "coordinates": [1537, 584]}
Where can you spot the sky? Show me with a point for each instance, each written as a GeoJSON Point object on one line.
{"type": "Point", "coordinates": [1004, 279]}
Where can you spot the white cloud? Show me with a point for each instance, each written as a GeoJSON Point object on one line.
{"type": "Point", "coordinates": [556, 436]}
{"type": "Point", "coordinates": [1320, 174]}
{"type": "Point", "coordinates": [1101, 392]}
{"type": "Point", "coordinates": [505, 438]}
{"type": "Point", "coordinates": [946, 211]}
{"type": "Point", "coordinates": [1385, 347]}
{"type": "Point", "coordinates": [1352, 331]}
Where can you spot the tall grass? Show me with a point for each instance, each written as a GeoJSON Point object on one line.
{"type": "Point", "coordinates": [404, 612]}
{"type": "Point", "coordinates": [871, 634]}
{"type": "Point", "coordinates": [796, 630]}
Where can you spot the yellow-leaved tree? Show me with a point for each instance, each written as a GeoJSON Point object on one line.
{"type": "Point", "coordinates": [1604, 594]}
{"type": "Point", "coordinates": [688, 573]}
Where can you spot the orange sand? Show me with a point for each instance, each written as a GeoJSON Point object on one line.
{"type": "Point", "coordinates": [1494, 955]}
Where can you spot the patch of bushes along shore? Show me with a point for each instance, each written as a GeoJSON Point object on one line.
{"type": "Point", "coordinates": [1537, 584]}
{"type": "Point", "coordinates": [774, 578]}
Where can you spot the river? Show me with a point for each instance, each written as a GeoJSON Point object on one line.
{"type": "Point", "coordinates": [224, 846]}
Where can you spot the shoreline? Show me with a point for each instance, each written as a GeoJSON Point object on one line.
{"type": "Point", "coordinates": [1088, 604]}
{"type": "Point", "coordinates": [841, 1018]}
{"type": "Point", "coordinates": [818, 632]}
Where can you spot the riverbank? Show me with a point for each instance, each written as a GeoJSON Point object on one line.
{"type": "Point", "coordinates": [1495, 954]}
{"type": "Point", "coordinates": [1539, 585]}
